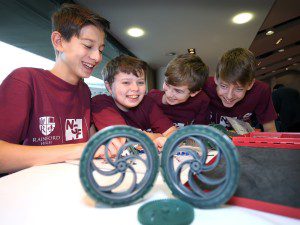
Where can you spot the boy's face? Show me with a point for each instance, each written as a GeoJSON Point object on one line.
{"type": "Point", "coordinates": [80, 55]}
{"type": "Point", "coordinates": [176, 94]}
{"type": "Point", "coordinates": [231, 93]}
{"type": "Point", "coordinates": [127, 90]}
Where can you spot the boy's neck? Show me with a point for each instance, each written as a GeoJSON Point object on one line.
{"type": "Point", "coordinates": [163, 100]}
{"type": "Point", "coordinates": [63, 73]}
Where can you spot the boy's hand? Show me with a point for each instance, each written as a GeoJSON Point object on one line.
{"type": "Point", "coordinates": [159, 143]}
{"type": "Point", "coordinates": [113, 148]}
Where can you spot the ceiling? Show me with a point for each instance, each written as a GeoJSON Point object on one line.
{"type": "Point", "coordinates": [172, 26]}
{"type": "Point", "coordinates": [175, 26]}
{"type": "Point", "coordinates": [284, 20]}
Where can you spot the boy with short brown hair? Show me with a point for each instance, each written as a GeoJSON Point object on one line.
{"type": "Point", "coordinates": [182, 99]}
{"type": "Point", "coordinates": [124, 78]}
{"type": "Point", "coordinates": [234, 92]}
{"type": "Point", "coordinates": [41, 109]}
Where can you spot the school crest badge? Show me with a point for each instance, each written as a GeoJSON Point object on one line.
{"type": "Point", "coordinates": [46, 124]}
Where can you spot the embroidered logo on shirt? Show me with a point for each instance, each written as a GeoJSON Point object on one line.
{"type": "Point", "coordinates": [46, 124]}
{"type": "Point", "coordinates": [73, 128]}
{"type": "Point", "coordinates": [247, 116]}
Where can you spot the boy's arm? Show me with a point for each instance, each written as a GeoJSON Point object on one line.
{"type": "Point", "coordinates": [269, 126]}
{"type": "Point", "coordinates": [14, 157]}
{"type": "Point", "coordinates": [170, 131]}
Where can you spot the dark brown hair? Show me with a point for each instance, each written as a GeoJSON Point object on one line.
{"type": "Point", "coordinates": [126, 64]}
{"type": "Point", "coordinates": [237, 66]}
{"type": "Point", "coordinates": [187, 69]}
{"type": "Point", "coordinates": [69, 19]}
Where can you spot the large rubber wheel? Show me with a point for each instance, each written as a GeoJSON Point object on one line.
{"type": "Point", "coordinates": [121, 167]}
{"type": "Point", "coordinates": [208, 184]}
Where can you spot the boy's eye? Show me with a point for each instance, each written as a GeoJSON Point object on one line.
{"type": "Point", "coordinates": [223, 86]}
{"type": "Point", "coordinates": [87, 46]}
{"type": "Point", "coordinates": [178, 91]}
{"type": "Point", "coordinates": [141, 82]}
{"type": "Point", "coordinates": [240, 89]}
{"type": "Point", "coordinates": [125, 82]}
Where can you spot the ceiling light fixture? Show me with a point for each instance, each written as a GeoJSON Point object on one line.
{"type": "Point", "coordinates": [263, 68]}
{"type": "Point", "coordinates": [281, 50]}
{"type": "Point", "coordinates": [278, 41]}
{"type": "Point", "coordinates": [258, 63]}
{"type": "Point", "coordinates": [269, 32]}
{"type": "Point", "coordinates": [287, 68]}
{"type": "Point", "coordinates": [171, 54]}
{"type": "Point", "coordinates": [191, 50]}
{"type": "Point", "coordinates": [242, 18]}
{"type": "Point", "coordinates": [135, 32]}
{"type": "Point", "coordinates": [289, 59]}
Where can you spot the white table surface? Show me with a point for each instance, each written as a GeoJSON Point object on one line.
{"type": "Point", "coordinates": [53, 194]}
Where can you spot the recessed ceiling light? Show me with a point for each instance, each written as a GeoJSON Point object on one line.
{"type": "Point", "coordinates": [273, 71]}
{"type": "Point", "coordinates": [278, 41]}
{"type": "Point", "coordinates": [287, 68]}
{"type": "Point", "coordinates": [263, 68]}
{"type": "Point", "coordinates": [281, 50]}
{"type": "Point", "coordinates": [259, 63]}
{"type": "Point", "coordinates": [171, 54]}
{"type": "Point", "coordinates": [242, 18]}
{"type": "Point", "coordinates": [269, 32]}
{"type": "Point", "coordinates": [191, 50]}
{"type": "Point", "coordinates": [135, 32]}
{"type": "Point", "coordinates": [289, 59]}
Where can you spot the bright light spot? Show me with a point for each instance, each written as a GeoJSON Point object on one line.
{"type": "Point", "coordinates": [135, 32]}
{"type": "Point", "coordinates": [242, 18]}
{"type": "Point", "coordinates": [270, 32]}
{"type": "Point", "coordinates": [12, 58]}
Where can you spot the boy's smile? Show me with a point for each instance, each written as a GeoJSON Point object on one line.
{"type": "Point", "coordinates": [80, 55]}
{"type": "Point", "coordinates": [127, 90]}
{"type": "Point", "coordinates": [176, 94]}
{"type": "Point", "coordinates": [231, 93]}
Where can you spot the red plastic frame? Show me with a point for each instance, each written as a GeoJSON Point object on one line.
{"type": "Point", "coordinates": [269, 140]}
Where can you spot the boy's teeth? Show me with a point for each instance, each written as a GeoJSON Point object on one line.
{"type": "Point", "coordinates": [88, 65]}
{"type": "Point", "coordinates": [133, 96]}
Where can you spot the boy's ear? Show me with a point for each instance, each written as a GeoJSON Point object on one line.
{"type": "Point", "coordinates": [193, 94]}
{"type": "Point", "coordinates": [250, 85]}
{"type": "Point", "coordinates": [56, 39]}
{"type": "Point", "coordinates": [107, 86]}
{"type": "Point", "coordinates": [215, 79]}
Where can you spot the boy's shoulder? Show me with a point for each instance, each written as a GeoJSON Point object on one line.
{"type": "Point", "coordinates": [155, 93]}
{"type": "Point", "coordinates": [102, 98]}
{"type": "Point", "coordinates": [25, 73]}
{"type": "Point", "coordinates": [260, 87]}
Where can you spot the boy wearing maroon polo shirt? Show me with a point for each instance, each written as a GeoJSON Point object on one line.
{"type": "Point", "coordinates": [127, 104]}
{"type": "Point", "coordinates": [182, 99]}
{"type": "Point", "coordinates": [234, 92]}
{"type": "Point", "coordinates": [43, 109]}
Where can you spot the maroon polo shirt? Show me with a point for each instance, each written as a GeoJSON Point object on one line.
{"type": "Point", "coordinates": [145, 116]}
{"type": "Point", "coordinates": [38, 108]}
{"type": "Point", "coordinates": [256, 103]}
{"type": "Point", "coordinates": [193, 111]}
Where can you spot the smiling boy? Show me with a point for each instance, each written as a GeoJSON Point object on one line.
{"type": "Point", "coordinates": [182, 99]}
{"type": "Point", "coordinates": [124, 78]}
{"type": "Point", "coordinates": [234, 92]}
{"type": "Point", "coordinates": [41, 109]}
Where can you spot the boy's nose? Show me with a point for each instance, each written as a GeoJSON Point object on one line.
{"type": "Point", "coordinates": [134, 86]}
{"type": "Point", "coordinates": [229, 94]}
{"type": "Point", "coordinates": [97, 56]}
